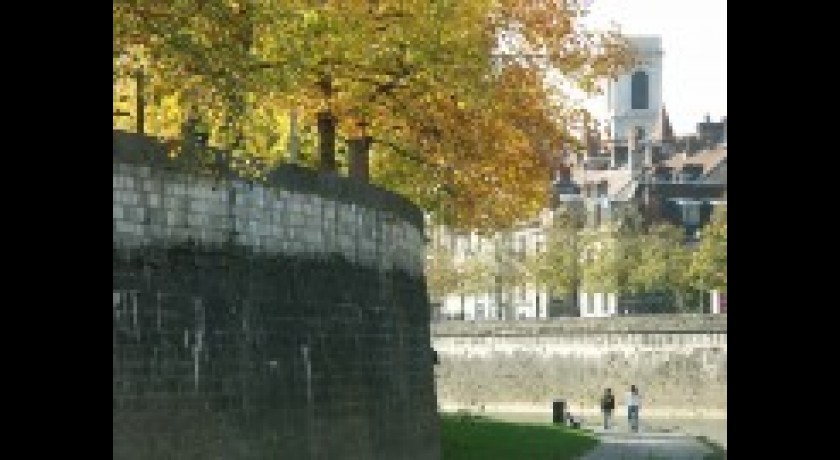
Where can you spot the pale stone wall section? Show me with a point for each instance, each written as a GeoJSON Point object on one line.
{"type": "Point", "coordinates": [678, 361]}
{"type": "Point", "coordinates": [168, 207]}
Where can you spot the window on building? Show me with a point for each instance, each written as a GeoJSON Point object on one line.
{"type": "Point", "coordinates": [606, 213]}
{"type": "Point", "coordinates": [663, 174]}
{"type": "Point", "coordinates": [596, 215]}
{"type": "Point", "coordinates": [639, 88]}
{"type": "Point", "coordinates": [602, 188]}
{"type": "Point", "coordinates": [691, 214]}
{"type": "Point", "coordinates": [692, 172]}
{"type": "Point", "coordinates": [621, 156]}
{"type": "Point", "coordinates": [640, 135]}
{"type": "Point", "coordinates": [657, 153]}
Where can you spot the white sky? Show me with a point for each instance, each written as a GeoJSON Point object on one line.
{"type": "Point", "coordinates": [694, 43]}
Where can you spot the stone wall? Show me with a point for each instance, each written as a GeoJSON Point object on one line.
{"type": "Point", "coordinates": [285, 320]}
{"type": "Point", "coordinates": [678, 362]}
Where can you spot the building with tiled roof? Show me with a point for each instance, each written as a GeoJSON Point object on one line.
{"type": "Point", "coordinates": [640, 167]}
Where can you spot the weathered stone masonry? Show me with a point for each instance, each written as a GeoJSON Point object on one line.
{"type": "Point", "coordinates": [678, 361]}
{"type": "Point", "coordinates": [280, 321]}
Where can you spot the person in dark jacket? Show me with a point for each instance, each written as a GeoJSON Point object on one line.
{"type": "Point", "coordinates": [607, 407]}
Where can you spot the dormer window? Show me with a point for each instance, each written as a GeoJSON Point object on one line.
{"type": "Point", "coordinates": [692, 172]}
{"type": "Point", "coordinates": [602, 188]}
{"type": "Point", "coordinates": [663, 174]}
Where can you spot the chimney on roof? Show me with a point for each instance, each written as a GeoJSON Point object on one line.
{"type": "Point", "coordinates": [690, 146]}
{"type": "Point", "coordinates": [708, 118]}
{"type": "Point", "coordinates": [592, 144]}
{"type": "Point", "coordinates": [724, 130]}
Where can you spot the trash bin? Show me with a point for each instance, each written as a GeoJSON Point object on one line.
{"type": "Point", "coordinates": [558, 412]}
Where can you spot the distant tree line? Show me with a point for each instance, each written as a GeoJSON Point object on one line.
{"type": "Point", "coordinates": [651, 265]}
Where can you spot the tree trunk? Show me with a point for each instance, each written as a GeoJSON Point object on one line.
{"type": "Point", "coordinates": [359, 148]}
{"type": "Point", "coordinates": [141, 102]}
{"type": "Point", "coordinates": [326, 141]}
{"type": "Point", "coordinates": [294, 144]}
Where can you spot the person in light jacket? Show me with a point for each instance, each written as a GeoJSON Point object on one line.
{"type": "Point", "coordinates": [633, 403]}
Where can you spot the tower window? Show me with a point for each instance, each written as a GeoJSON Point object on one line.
{"type": "Point", "coordinates": [639, 89]}
{"type": "Point", "coordinates": [640, 134]}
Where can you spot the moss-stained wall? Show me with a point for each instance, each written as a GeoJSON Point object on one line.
{"type": "Point", "coordinates": [286, 320]}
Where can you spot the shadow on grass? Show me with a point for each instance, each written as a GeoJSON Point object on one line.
{"type": "Point", "coordinates": [718, 452]}
{"type": "Point", "coordinates": [470, 437]}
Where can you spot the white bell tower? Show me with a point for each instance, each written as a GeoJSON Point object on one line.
{"type": "Point", "coordinates": [635, 98]}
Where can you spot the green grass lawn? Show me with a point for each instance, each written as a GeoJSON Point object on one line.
{"type": "Point", "coordinates": [478, 438]}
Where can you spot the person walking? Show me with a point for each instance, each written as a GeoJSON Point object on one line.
{"type": "Point", "coordinates": [633, 403]}
{"type": "Point", "coordinates": [607, 407]}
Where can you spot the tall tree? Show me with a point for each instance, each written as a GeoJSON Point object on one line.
{"type": "Point", "coordinates": [708, 263]}
{"type": "Point", "coordinates": [661, 264]}
{"type": "Point", "coordinates": [441, 272]}
{"type": "Point", "coordinates": [600, 260]}
{"type": "Point", "coordinates": [486, 136]}
{"type": "Point", "coordinates": [207, 60]}
{"type": "Point", "coordinates": [558, 266]}
{"type": "Point", "coordinates": [451, 99]}
{"type": "Point", "coordinates": [509, 270]}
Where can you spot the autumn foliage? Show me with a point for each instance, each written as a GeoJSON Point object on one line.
{"type": "Point", "coordinates": [455, 97]}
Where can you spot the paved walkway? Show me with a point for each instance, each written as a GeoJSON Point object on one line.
{"type": "Point", "coordinates": [659, 439]}
{"type": "Point", "coordinates": [714, 429]}
{"type": "Point", "coordinates": [620, 445]}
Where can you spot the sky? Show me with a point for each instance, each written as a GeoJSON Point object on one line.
{"type": "Point", "coordinates": [694, 43]}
